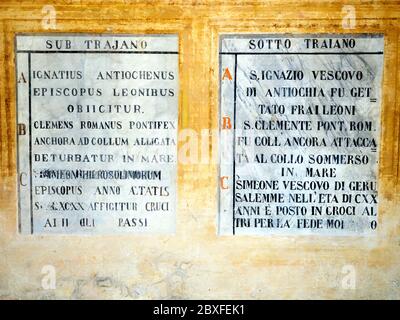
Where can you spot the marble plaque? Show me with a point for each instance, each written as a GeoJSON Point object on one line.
{"type": "Point", "coordinates": [300, 134]}
{"type": "Point", "coordinates": [97, 130]}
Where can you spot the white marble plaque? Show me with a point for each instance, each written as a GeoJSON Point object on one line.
{"type": "Point", "coordinates": [300, 134]}
{"type": "Point", "coordinates": [97, 130]}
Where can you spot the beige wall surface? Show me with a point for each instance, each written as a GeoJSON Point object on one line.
{"type": "Point", "coordinates": [195, 262]}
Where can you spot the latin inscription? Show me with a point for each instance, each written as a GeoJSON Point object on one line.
{"type": "Point", "coordinates": [97, 131]}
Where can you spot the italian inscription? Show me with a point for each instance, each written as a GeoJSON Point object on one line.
{"type": "Point", "coordinates": [300, 133]}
